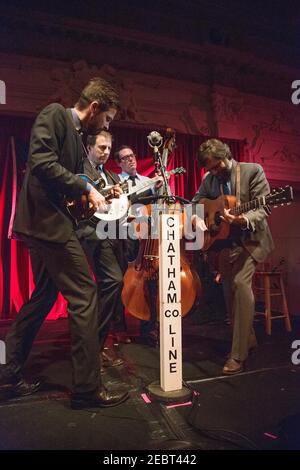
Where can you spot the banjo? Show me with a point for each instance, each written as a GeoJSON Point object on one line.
{"type": "Point", "coordinates": [80, 209]}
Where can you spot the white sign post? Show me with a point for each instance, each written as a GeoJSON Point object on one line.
{"type": "Point", "coordinates": [2, 92]}
{"type": "Point", "coordinates": [2, 352]}
{"type": "Point", "coordinates": [170, 388]}
{"type": "Point", "coordinates": [170, 304]}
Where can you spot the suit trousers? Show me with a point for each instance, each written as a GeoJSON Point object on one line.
{"type": "Point", "coordinates": [237, 268]}
{"type": "Point", "coordinates": [108, 262]}
{"type": "Point", "coordinates": [60, 267]}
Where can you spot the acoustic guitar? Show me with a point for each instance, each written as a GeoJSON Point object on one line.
{"type": "Point", "coordinates": [218, 229]}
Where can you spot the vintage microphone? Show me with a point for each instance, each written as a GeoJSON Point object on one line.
{"type": "Point", "coordinates": [155, 140]}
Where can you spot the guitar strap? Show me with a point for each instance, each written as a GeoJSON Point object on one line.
{"type": "Point", "coordinates": [112, 177]}
{"type": "Point", "coordinates": [238, 184]}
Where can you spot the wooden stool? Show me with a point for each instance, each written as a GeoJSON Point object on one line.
{"type": "Point", "coordinates": [264, 282]}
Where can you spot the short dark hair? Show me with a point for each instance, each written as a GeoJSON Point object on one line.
{"type": "Point", "coordinates": [117, 152]}
{"type": "Point", "coordinates": [213, 148]}
{"type": "Point", "coordinates": [99, 90]}
{"type": "Point", "coordinates": [91, 139]}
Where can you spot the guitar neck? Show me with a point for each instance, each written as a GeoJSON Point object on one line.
{"type": "Point", "coordinates": [143, 186]}
{"type": "Point", "coordinates": [248, 206]}
{"type": "Point", "coordinates": [106, 192]}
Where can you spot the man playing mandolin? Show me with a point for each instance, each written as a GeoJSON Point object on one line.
{"type": "Point", "coordinates": [249, 239]}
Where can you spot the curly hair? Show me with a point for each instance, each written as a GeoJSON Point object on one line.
{"type": "Point", "coordinates": [213, 148]}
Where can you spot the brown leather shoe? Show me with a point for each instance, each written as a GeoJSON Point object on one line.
{"type": "Point", "coordinates": [101, 398]}
{"type": "Point", "coordinates": [232, 366]}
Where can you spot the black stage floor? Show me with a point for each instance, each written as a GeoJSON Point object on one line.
{"type": "Point", "coordinates": [257, 409]}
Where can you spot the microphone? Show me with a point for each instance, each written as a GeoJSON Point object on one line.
{"type": "Point", "coordinates": [154, 139]}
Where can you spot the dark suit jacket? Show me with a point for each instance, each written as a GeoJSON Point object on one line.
{"type": "Point", "coordinates": [86, 231]}
{"type": "Point", "coordinates": [86, 228]}
{"type": "Point", "coordinates": [55, 156]}
{"type": "Point", "coordinates": [258, 240]}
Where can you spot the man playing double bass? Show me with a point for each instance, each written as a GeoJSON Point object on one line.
{"type": "Point", "coordinates": [126, 159]}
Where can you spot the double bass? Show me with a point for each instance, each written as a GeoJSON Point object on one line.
{"type": "Point", "coordinates": [140, 293]}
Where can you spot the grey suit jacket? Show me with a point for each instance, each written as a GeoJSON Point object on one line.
{"type": "Point", "coordinates": [258, 239]}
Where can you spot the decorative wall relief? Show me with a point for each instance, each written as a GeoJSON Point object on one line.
{"type": "Point", "coordinates": [195, 120]}
{"type": "Point", "coordinates": [286, 155]}
{"type": "Point", "coordinates": [274, 143]}
{"type": "Point", "coordinates": [226, 108]}
{"type": "Point", "coordinates": [70, 81]}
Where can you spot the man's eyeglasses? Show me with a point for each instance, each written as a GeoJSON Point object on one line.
{"type": "Point", "coordinates": [126, 158]}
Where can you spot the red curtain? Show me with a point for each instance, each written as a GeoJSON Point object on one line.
{"type": "Point", "coordinates": [16, 282]}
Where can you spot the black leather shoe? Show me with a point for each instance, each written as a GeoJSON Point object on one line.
{"type": "Point", "coordinates": [101, 398]}
{"type": "Point", "coordinates": [23, 388]}
{"type": "Point", "coordinates": [16, 384]}
{"type": "Point", "coordinates": [107, 359]}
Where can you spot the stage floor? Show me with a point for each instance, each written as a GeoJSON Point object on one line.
{"type": "Point", "coordinates": [247, 411]}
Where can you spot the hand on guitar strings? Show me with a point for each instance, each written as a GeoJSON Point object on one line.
{"type": "Point", "coordinates": [97, 201]}
{"type": "Point", "coordinates": [115, 192]}
{"type": "Point", "coordinates": [239, 220]}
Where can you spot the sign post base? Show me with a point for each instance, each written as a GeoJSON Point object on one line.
{"type": "Point", "coordinates": [174, 396]}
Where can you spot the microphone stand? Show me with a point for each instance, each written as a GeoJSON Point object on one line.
{"type": "Point", "coordinates": [159, 165]}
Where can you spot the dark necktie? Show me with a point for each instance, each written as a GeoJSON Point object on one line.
{"type": "Point", "coordinates": [103, 179]}
{"type": "Point", "coordinates": [225, 188]}
{"type": "Point", "coordinates": [133, 179]}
